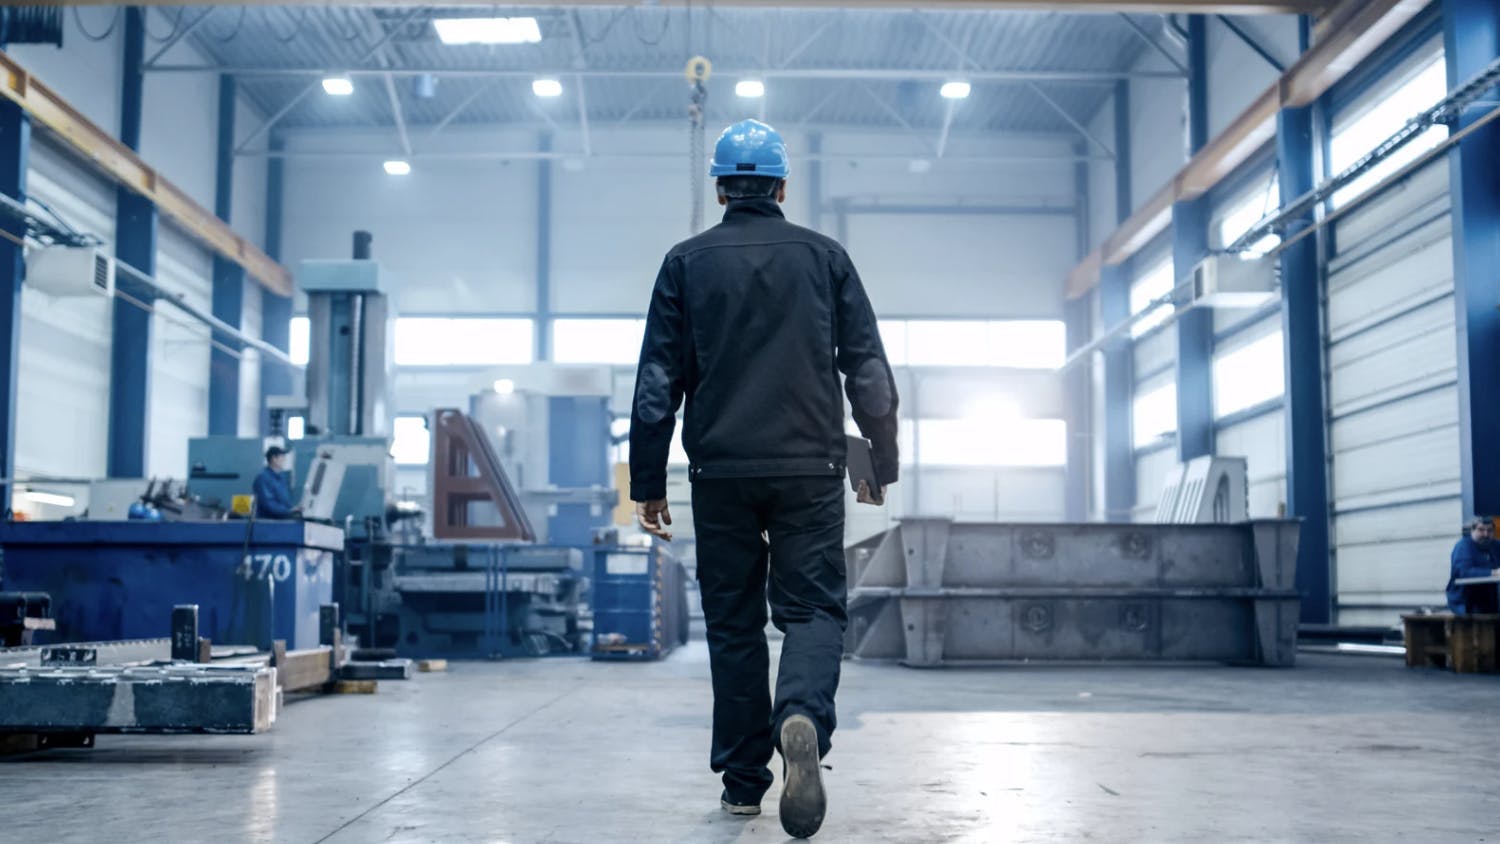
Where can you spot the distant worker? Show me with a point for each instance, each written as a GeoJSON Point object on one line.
{"type": "Point", "coordinates": [1474, 556]}
{"type": "Point", "coordinates": [752, 321]}
{"type": "Point", "coordinates": [273, 496]}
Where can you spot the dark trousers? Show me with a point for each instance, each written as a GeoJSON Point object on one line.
{"type": "Point", "coordinates": [801, 571]}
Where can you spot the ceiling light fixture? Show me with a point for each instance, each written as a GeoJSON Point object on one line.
{"type": "Point", "coordinates": [954, 90]}
{"type": "Point", "coordinates": [487, 30]}
{"type": "Point", "coordinates": [750, 88]}
{"type": "Point", "coordinates": [546, 87]}
{"type": "Point", "coordinates": [338, 86]}
{"type": "Point", "coordinates": [397, 167]}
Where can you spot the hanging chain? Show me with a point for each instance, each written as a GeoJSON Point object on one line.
{"type": "Point", "coordinates": [696, 160]}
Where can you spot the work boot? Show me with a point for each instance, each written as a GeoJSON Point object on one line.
{"type": "Point", "coordinates": [803, 802]}
{"type": "Point", "coordinates": [733, 808]}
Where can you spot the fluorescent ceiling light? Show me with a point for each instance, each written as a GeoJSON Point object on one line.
{"type": "Point", "coordinates": [546, 87]}
{"type": "Point", "coordinates": [53, 498]}
{"type": "Point", "coordinates": [487, 30]}
{"type": "Point", "coordinates": [338, 86]}
{"type": "Point", "coordinates": [750, 88]}
{"type": "Point", "coordinates": [397, 167]}
{"type": "Point", "coordinates": [954, 90]}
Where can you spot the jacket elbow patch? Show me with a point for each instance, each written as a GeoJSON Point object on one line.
{"type": "Point", "coordinates": [872, 387]}
{"type": "Point", "coordinates": [653, 395]}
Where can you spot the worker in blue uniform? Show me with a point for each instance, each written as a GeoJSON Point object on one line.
{"type": "Point", "coordinates": [273, 495]}
{"type": "Point", "coordinates": [752, 322]}
{"type": "Point", "coordinates": [1474, 556]}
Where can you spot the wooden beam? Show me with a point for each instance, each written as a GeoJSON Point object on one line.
{"type": "Point", "coordinates": [120, 163]}
{"type": "Point", "coordinates": [1352, 32]}
{"type": "Point", "coordinates": [1197, 7]}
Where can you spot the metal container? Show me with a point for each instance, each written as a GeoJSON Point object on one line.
{"type": "Point", "coordinates": [639, 602]}
{"type": "Point", "coordinates": [254, 582]}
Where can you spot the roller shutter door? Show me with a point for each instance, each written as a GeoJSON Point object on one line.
{"type": "Point", "coordinates": [1393, 401]}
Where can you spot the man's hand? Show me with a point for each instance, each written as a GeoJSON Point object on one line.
{"type": "Point", "coordinates": [652, 515]}
{"type": "Point", "coordinates": [866, 496]}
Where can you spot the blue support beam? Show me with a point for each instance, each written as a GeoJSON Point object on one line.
{"type": "Point", "coordinates": [229, 283]}
{"type": "Point", "coordinates": [276, 311]}
{"type": "Point", "coordinates": [1114, 308]}
{"type": "Point", "coordinates": [135, 244]}
{"type": "Point", "coordinates": [1076, 382]}
{"type": "Point", "coordinates": [544, 251]}
{"type": "Point", "coordinates": [1471, 40]}
{"type": "Point", "coordinates": [15, 149]}
{"type": "Point", "coordinates": [1195, 328]}
{"type": "Point", "coordinates": [1302, 336]}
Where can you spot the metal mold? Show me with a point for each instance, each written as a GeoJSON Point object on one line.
{"type": "Point", "coordinates": [932, 592]}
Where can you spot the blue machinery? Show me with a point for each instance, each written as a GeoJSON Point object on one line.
{"type": "Point", "coordinates": [258, 581]}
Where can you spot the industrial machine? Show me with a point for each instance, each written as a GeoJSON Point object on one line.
{"type": "Point", "coordinates": [485, 582]}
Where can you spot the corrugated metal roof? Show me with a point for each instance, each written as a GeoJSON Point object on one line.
{"type": "Point", "coordinates": [655, 39]}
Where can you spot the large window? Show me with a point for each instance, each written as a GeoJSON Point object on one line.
{"type": "Point", "coordinates": [601, 341]}
{"type": "Point", "coordinates": [411, 443]}
{"type": "Point", "coordinates": [1154, 284]}
{"type": "Point", "coordinates": [1008, 343]}
{"type": "Point", "coordinates": [463, 341]}
{"type": "Point", "coordinates": [1154, 414]}
{"type": "Point", "coordinates": [299, 340]}
{"type": "Point", "coordinates": [620, 427]}
{"type": "Point", "coordinates": [1247, 210]}
{"type": "Point", "coordinates": [992, 442]}
{"type": "Point", "coordinates": [1249, 375]}
{"type": "Point", "coordinates": [1387, 111]}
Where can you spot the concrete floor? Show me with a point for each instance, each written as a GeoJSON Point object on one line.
{"type": "Point", "coordinates": [1338, 749]}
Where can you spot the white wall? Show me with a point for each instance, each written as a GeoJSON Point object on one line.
{"type": "Point", "coordinates": [63, 409]}
{"type": "Point", "coordinates": [1158, 142]}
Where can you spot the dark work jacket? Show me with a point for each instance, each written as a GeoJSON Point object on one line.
{"type": "Point", "coordinates": [1470, 560]}
{"type": "Point", "coordinates": [752, 323]}
{"type": "Point", "coordinates": [273, 497]}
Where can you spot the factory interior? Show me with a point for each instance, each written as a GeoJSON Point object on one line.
{"type": "Point", "coordinates": [1189, 310]}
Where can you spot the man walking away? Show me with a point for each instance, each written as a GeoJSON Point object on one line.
{"type": "Point", "coordinates": [752, 323]}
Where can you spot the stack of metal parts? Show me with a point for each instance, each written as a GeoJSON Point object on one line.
{"type": "Point", "coordinates": [934, 592]}
{"type": "Point", "coordinates": [66, 694]}
{"type": "Point", "coordinates": [169, 698]}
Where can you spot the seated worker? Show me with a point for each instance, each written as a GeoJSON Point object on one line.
{"type": "Point", "coordinates": [273, 496]}
{"type": "Point", "coordinates": [1475, 556]}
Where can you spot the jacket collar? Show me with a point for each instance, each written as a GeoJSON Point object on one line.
{"type": "Point", "coordinates": [759, 207]}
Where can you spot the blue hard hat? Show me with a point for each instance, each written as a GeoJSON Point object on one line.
{"type": "Point", "coordinates": [749, 148]}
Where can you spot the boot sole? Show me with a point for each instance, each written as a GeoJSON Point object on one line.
{"type": "Point", "coordinates": [742, 811]}
{"type": "Point", "coordinates": [803, 802]}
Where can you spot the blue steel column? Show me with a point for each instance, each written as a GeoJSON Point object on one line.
{"type": "Point", "coordinates": [276, 311]}
{"type": "Point", "coordinates": [15, 149]}
{"type": "Point", "coordinates": [544, 250]}
{"type": "Point", "coordinates": [1302, 338]}
{"type": "Point", "coordinates": [135, 244]}
{"type": "Point", "coordinates": [1195, 328]}
{"type": "Point", "coordinates": [1114, 308]}
{"type": "Point", "coordinates": [229, 282]}
{"type": "Point", "coordinates": [1471, 40]}
{"type": "Point", "coordinates": [1076, 382]}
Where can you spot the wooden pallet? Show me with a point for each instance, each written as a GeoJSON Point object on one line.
{"type": "Point", "coordinates": [1465, 644]}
